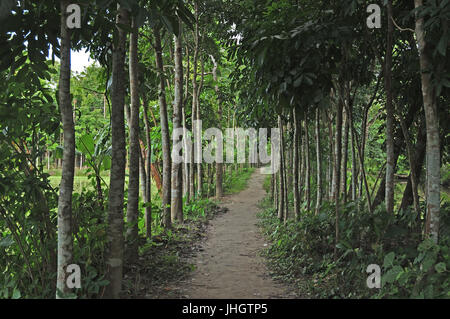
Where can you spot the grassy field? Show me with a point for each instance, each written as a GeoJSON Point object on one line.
{"type": "Point", "coordinates": [232, 184]}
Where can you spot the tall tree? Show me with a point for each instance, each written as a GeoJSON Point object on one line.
{"type": "Point", "coordinates": [297, 138]}
{"type": "Point", "coordinates": [134, 149]}
{"type": "Point", "coordinates": [165, 135]}
{"type": "Point", "coordinates": [219, 166]}
{"type": "Point", "coordinates": [308, 167]}
{"type": "Point", "coordinates": [390, 166]}
{"type": "Point", "coordinates": [148, 170]}
{"type": "Point", "coordinates": [65, 241]}
{"type": "Point", "coordinates": [117, 179]}
{"type": "Point", "coordinates": [281, 197]}
{"type": "Point", "coordinates": [432, 128]}
{"type": "Point", "coordinates": [176, 195]}
{"type": "Point", "coordinates": [318, 163]}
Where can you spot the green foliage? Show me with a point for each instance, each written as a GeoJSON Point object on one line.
{"type": "Point", "coordinates": [198, 209]}
{"type": "Point", "coordinates": [237, 180]}
{"type": "Point", "coordinates": [411, 268]}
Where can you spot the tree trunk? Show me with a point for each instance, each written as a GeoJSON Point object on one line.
{"type": "Point", "coordinates": [419, 156]}
{"type": "Point", "coordinates": [166, 178]}
{"type": "Point", "coordinates": [308, 168]}
{"type": "Point", "coordinates": [281, 197]}
{"type": "Point", "coordinates": [219, 166]}
{"type": "Point", "coordinates": [345, 159]}
{"type": "Point", "coordinates": [303, 162]}
{"type": "Point", "coordinates": [337, 151]}
{"type": "Point", "coordinates": [117, 179]}
{"type": "Point", "coordinates": [354, 173]}
{"type": "Point", "coordinates": [319, 166]}
{"type": "Point", "coordinates": [148, 177]}
{"type": "Point", "coordinates": [295, 164]}
{"type": "Point", "coordinates": [412, 161]}
{"type": "Point", "coordinates": [65, 241]}
{"type": "Point", "coordinates": [330, 169]}
{"type": "Point", "coordinates": [390, 167]}
{"type": "Point", "coordinates": [197, 104]}
{"type": "Point", "coordinates": [432, 127]}
{"type": "Point", "coordinates": [177, 187]}
{"type": "Point", "coordinates": [194, 99]}
{"type": "Point", "coordinates": [186, 186]}
{"type": "Point", "coordinates": [338, 156]}
{"type": "Point", "coordinates": [134, 149]}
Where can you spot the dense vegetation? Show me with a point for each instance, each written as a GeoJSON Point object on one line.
{"type": "Point", "coordinates": [87, 174]}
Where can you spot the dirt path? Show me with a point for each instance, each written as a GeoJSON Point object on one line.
{"type": "Point", "coordinates": [228, 265]}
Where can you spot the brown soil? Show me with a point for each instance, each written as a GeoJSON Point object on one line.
{"type": "Point", "coordinates": [228, 264]}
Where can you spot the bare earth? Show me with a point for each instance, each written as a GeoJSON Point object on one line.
{"type": "Point", "coordinates": [229, 266]}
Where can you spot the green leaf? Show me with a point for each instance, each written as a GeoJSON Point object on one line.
{"type": "Point", "coordinates": [389, 259]}
{"type": "Point", "coordinates": [6, 242]}
{"type": "Point", "coordinates": [106, 164]}
{"type": "Point", "coordinates": [16, 294]}
{"type": "Point", "coordinates": [440, 267]}
{"type": "Point", "coordinates": [86, 145]}
{"type": "Point", "coordinates": [428, 262]}
{"type": "Point", "coordinates": [393, 274]}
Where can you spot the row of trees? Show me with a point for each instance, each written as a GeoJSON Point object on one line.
{"type": "Point", "coordinates": [160, 69]}
{"type": "Point", "coordinates": [358, 108]}
{"type": "Point", "coordinates": [338, 86]}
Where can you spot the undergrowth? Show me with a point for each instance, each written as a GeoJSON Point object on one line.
{"type": "Point", "coordinates": [302, 252]}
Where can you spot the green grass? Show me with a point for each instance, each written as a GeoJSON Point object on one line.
{"type": "Point", "coordinates": [81, 181]}
{"type": "Point", "coordinates": [238, 180]}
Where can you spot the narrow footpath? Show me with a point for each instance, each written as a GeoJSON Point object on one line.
{"type": "Point", "coordinates": [228, 266]}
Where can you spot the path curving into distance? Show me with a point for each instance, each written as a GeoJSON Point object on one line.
{"type": "Point", "coordinates": [228, 265]}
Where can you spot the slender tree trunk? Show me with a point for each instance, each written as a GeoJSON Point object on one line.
{"type": "Point", "coordinates": [303, 161]}
{"type": "Point", "coordinates": [361, 163]}
{"type": "Point", "coordinates": [166, 187]}
{"type": "Point", "coordinates": [390, 167]}
{"type": "Point", "coordinates": [197, 104]}
{"type": "Point", "coordinates": [337, 164]}
{"type": "Point", "coordinates": [134, 149]}
{"type": "Point", "coordinates": [117, 179]}
{"type": "Point", "coordinates": [432, 125]}
{"type": "Point", "coordinates": [148, 177]}
{"type": "Point", "coordinates": [319, 166]}
{"type": "Point", "coordinates": [186, 182]}
{"type": "Point", "coordinates": [194, 98]}
{"type": "Point", "coordinates": [177, 199]}
{"type": "Point", "coordinates": [295, 164]}
{"type": "Point", "coordinates": [412, 160]}
{"type": "Point", "coordinates": [345, 158]}
{"type": "Point", "coordinates": [142, 171]}
{"type": "Point", "coordinates": [272, 183]}
{"type": "Point", "coordinates": [289, 155]}
{"type": "Point", "coordinates": [65, 241]}
{"type": "Point", "coordinates": [281, 173]}
{"type": "Point", "coordinates": [285, 176]}
{"type": "Point", "coordinates": [337, 152]}
{"type": "Point", "coordinates": [219, 166]}
{"type": "Point", "coordinates": [330, 169]}
{"type": "Point", "coordinates": [186, 188]}
{"type": "Point", "coordinates": [419, 156]}
{"type": "Point", "coordinates": [276, 199]}
{"type": "Point", "coordinates": [354, 173]}
{"type": "Point", "coordinates": [308, 168]}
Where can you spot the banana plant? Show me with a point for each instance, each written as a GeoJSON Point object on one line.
{"type": "Point", "coordinates": [97, 151]}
